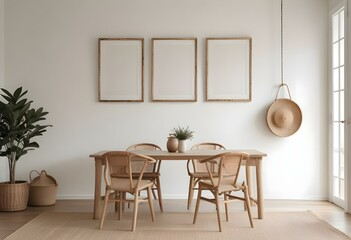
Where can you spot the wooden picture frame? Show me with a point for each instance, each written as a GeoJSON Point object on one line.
{"type": "Point", "coordinates": [121, 69]}
{"type": "Point", "coordinates": [174, 70]}
{"type": "Point", "coordinates": [228, 69]}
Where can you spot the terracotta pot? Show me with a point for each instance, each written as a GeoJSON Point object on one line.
{"type": "Point", "coordinates": [181, 146]}
{"type": "Point", "coordinates": [172, 144]}
{"type": "Point", "coordinates": [13, 197]}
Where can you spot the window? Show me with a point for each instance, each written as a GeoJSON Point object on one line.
{"type": "Point", "coordinates": [338, 104]}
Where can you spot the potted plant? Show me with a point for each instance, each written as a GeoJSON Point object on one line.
{"type": "Point", "coordinates": [19, 124]}
{"type": "Point", "coordinates": [182, 134]}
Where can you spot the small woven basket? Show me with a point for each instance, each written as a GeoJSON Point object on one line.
{"type": "Point", "coordinates": [43, 189]}
{"type": "Point", "coordinates": [13, 197]}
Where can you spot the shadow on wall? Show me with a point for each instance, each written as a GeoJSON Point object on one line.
{"type": "Point", "coordinates": [260, 121]}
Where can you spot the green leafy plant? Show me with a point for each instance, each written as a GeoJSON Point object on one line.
{"type": "Point", "coordinates": [182, 133]}
{"type": "Point", "coordinates": [19, 124]}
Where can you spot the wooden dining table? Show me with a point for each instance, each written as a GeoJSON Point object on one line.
{"type": "Point", "coordinates": [254, 160]}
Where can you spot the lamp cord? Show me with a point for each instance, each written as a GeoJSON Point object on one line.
{"type": "Point", "coordinates": [281, 42]}
{"type": "Point", "coordinates": [281, 53]}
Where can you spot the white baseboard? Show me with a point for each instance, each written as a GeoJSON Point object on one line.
{"type": "Point", "coordinates": [296, 197]}
{"type": "Point", "coordinates": [184, 196]}
{"type": "Point", "coordinates": [90, 196]}
{"type": "Point", "coordinates": [75, 197]}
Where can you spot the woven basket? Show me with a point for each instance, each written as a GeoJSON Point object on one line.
{"type": "Point", "coordinates": [13, 197]}
{"type": "Point", "coordinates": [43, 188]}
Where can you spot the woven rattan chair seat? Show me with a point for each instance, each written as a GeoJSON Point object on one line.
{"type": "Point", "coordinates": [223, 188]}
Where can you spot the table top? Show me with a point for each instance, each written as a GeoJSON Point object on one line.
{"type": "Point", "coordinates": [201, 153]}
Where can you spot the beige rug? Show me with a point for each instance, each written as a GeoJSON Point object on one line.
{"type": "Point", "coordinates": [169, 226]}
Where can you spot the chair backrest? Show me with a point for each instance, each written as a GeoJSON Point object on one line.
{"type": "Point", "coordinates": [208, 146]}
{"type": "Point", "coordinates": [198, 167]}
{"type": "Point", "coordinates": [146, 146]}
{"type": "Point", "coordinates": [228, 168]}
{"type": "Point", "coordinates": [119, 169]}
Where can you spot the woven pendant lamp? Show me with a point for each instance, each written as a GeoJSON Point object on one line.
{"type": "Point", "coordinates": [284, 116]}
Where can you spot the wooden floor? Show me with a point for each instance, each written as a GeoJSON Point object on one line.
{"type": "Point", "coordinates": [331, 213]}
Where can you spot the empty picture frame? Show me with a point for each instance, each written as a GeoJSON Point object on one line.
{"type": "Point", "coordinates": [228, 69]}
{"type": "Point", "coordinates": [121, 69]}
{"type": "Point", "coordinates": [174, 64]}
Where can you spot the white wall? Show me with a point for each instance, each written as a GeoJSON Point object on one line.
{"type": "Point", "coordinates": [2, 38]}
{"type": "Point", "coordinates": [333, 3]}
{"type": "Point", "coordinates": [3, 162]}
{"type": "Point", "coordinates": [51, 49]}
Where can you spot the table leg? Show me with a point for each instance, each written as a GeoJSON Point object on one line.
{"type": "Point", "coordinates": [97, 193]}
{"type": "Point", "coordinates": [249, 182]}
{"type": "Point", "coordinates": [259, 188]}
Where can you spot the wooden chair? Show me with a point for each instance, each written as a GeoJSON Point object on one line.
{"type": "Point", "coordinates": [152, 172]}
{"type": "Point", "coordinates": [196, 170]}
{"type": "Point", "coordinates": [119, 181]}
{"type": "Point", "coordinates": [224, 184]}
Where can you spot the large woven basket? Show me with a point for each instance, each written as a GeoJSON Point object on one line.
{"type": "Point", "coordinates": [43, 188]}
{"type": "Point", "coordinates": [13, 197]}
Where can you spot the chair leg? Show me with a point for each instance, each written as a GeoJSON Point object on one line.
{"type": "Point", "coordinates": [150, 203]}
{"type": "Point", "coordinates": [247, 200]}
{"type": "Point", "coordinates": [135, 211]}
{"type": "Point", "coordinates": [226, 206]}
{"type": "Point", "coordinates": [120, 202]}
{"type": "Point", "coordinates": [129, 202]}
{"type": "Point", "coordinates": [197, 203]}
{"type": "Point", "coordinates": [107, 194]}
{"type": "Point", "coordinates": [159, 193]}
{"type": "Point", "coordinates": [153, 192]}
{"type": "Point", "coordinates": [218, 211]}
{"type": "Point", "coordinates": [116, 203]}
{"type": "Point", "coordinates": [248, 178]}
{"type": "Point", "coordinates": [124, 198]}
{"type": "Point", "coordinates": [191, 191]}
